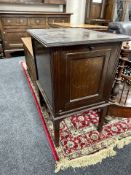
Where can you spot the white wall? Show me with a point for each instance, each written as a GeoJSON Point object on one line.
{"type": "Point", "coordinates": [21, 7]}
{"type": "Point", "coordinates": [77, 7]}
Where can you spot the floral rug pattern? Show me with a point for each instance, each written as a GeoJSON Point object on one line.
{"type": "Point", "coordinates": [79, 135]}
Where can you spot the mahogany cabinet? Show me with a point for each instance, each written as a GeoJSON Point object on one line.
{"type": "Point", "coordinates": [13, 26]}
{"type": "Point", "coordinates": [75, 69]}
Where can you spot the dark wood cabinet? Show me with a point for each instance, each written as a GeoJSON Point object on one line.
{"type": "Point", "coordinates": [15, 24]}
{"type": "Point", "coordinates": [75, 88]}
{"type": "Point", "coordinates": [75, 70]}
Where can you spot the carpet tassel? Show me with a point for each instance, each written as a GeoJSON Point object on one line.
{"type": "Point", "coordinates": [92, 159]}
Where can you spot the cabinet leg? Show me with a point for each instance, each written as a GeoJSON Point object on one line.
{"type": "Point", "coordinates": [42, 102]}
{"type": "Point", "coordinates": [56, 125]}
{"type": "Point", "coordinates": [103, 114]}
{"type": "Point", "coordinates": [7, 55]}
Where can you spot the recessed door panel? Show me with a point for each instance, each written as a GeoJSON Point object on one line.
{"type": "Point", "coordinates": [85, 77]}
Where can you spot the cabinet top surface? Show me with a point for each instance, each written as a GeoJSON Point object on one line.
{"type": "Point", "coordinates": [73, 36]}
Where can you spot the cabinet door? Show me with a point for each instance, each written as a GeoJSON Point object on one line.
{"type": "Point", "coordinates": [12, 38]}
{"type": "Point", "coordinates": [37, 22]}
{"type": "Point", "coordinates": [84, 77]}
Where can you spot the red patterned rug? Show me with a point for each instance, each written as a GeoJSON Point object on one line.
{"type": "Point", "coordinates": [80, 143]}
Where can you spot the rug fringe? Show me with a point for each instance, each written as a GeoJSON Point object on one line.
{"type": "Point", "coordinates": [92, 159]}
{"type": "Point", "coordinates": [123, 142]}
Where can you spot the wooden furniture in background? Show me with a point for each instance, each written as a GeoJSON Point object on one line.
{"type": "Point", "coordinates": [104, 11]}
{"type": "Point", "coordinates": [14, 25]}
{"type": "Point", "coordinates": [124, 59]}
{"type": "Point", "coordinates": [85, 26]}
{"type": "Point", "coordinates": [122, 96]}
{"type": "Point", "coordinates": [95, 12]}
{"type": "Point", "coordinates": [110, 10]}
{"type": "Point", "coordinates": [118, 10]}
{"type": "Point", "coordinates": [74, 72]}
{"type": "Point", "coordinates": [29, 57]}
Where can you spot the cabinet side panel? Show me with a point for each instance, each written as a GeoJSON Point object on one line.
{"type": "Point", "coordinates": [43, 57]}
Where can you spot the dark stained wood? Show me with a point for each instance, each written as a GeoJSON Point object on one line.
{"type": "Point", "coordinates": [103, 113]}
{"type": "Point", "coordinates": [75, 73]}
{"type": "Point", "coordinates": [80, 88]}
{"type": "Point", "coordinates": [56, 125]}
{"type": "Point", "coordinates": [119, 111]}
{"type": "Point", "coordinates": [44, 69]}
{"type": "Point", "coordinates": [80, 82]}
